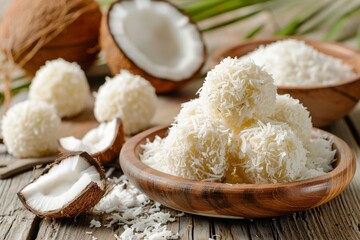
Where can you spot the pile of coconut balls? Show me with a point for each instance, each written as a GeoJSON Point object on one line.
{"type": "Point", "coordinates": [240, 131]}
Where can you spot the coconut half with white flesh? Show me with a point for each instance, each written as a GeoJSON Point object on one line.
{"type": "Point", "coordinates": [103, 143]}
{"type": "Point", "coordinates": [153, 39]}
{"type": "Point", "coordinates": [68, 187]}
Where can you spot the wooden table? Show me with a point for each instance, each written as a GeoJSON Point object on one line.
{"type": "Point", "coordinates": [338, 219]}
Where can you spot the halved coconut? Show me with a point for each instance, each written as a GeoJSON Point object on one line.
{"type": "Point", "coordinates": [68, 187]}
{"type": "Point", "coordinates": [153, 39]}
{"type": "Point", "coordinates": [103, 143]}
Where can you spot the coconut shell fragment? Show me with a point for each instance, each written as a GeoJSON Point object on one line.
{"type": "Point", "coordinates": [34, 31]}
{"type": "Point", "coordinates": [120, 56]}
{"type": "Point", "coordinates": [52, 193]}
{"type": "Point", "coordinates": [113, 152]}
{"type": "Point", "coordinates": [109, 152]}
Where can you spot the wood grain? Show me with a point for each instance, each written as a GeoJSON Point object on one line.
{"type": "Point", "coordinates": [15, 221]}
{"type": "Point", "coordinates": [235, 200]}
{"type": "Point", "coordinates": [327, 104]}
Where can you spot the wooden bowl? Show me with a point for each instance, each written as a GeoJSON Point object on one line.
{"type": "Point", "coordinates": [235, 200]}
{"type": "Point", "coordinates": [326, 104]}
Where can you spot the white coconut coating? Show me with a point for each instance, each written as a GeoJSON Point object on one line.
{"type": "Point", "coordinates": [269, 153]}
{"type": "Point", "coordinates": [62, 84]}
{"type": "Point", "coordinates": [320, 155]}
{"type": "Point", "coordinates": [129, 97]}
{"type": "Point", "coordinates": [196, 149]}
{"type": "Point", "coordinates": [189, 109]}
{"type": "Point", "coordinates": [237, 91]}
{"type": "Point", "coordinates": [30, 129]}
{"type": "Point", "coordinates": [292, 112]}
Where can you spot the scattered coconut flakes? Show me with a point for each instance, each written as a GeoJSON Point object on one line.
{"type": "Point", "coordinates": [294, 63]}
{"type": "Point", "coordinates": [95, 223]}
{"type": "Point", "coordinates": [140, 217]}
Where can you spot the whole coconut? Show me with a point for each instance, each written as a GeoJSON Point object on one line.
{"type": "Point", "coordinates": [34, 31]}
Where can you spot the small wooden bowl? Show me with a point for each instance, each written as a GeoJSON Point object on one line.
{"type": "Point", "coordinates": [327, 104]}
{"type": "Point", "coordinates": [235, 200]}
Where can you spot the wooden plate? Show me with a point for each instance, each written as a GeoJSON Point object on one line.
{"type": "Point", "coordinates": [327, 104]}
{"type": "Point", "coordinates": [235, 200]}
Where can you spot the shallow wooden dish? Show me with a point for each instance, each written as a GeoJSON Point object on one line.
{"type": "Point", "coordinates": [326, 104]}
{"type": "Point", "coordinates": [235, 200]}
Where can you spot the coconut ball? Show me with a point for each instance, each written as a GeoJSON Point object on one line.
{"type": "Point", "coordinates": [189, 109]}
{"type": "Point", "coordinates": [196, 149]}
{"type": "Point", "coordinates": [292, 112]}
{"type": "Point", "coordinates": [237, 91]}
{"type": "Point", "coordinates": [62, 84]}
{"type": "Point", "coordinates": [129, 97]}
{"type": "Point", "coordinates": [30, 129]}
{"type": "Point", "coordinates": [269, 153]}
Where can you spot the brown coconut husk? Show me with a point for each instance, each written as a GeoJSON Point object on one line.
{"type": "Point", "coordinates": [117, 59]}
{"type": "Point", "coordinates": [34, 31]}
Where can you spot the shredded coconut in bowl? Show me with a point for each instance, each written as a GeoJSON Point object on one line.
{"type": "Point", "coordinates": [294, 63]}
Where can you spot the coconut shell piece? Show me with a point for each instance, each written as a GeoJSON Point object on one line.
{"type": "Point", "coordinates": [117, 59]}
{"type": "Point", "coordinates": [34, 31]}
{"type": "Point", "coordinates": [110, 154]}
{"type": "Point", "coordinates": [88, 197]}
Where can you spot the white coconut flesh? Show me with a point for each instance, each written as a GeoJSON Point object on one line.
{"type": "Point", "coordinates": [157, 37]}
{"type": "Point", "coordinates": [96, 140]}
{"type": "Point", "coordinates": [61, 185]}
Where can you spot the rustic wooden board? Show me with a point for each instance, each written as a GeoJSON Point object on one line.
{"type": "Point", "coordinates": [77, 228]}
{"type": "Point", "coordinates": [15, 221]}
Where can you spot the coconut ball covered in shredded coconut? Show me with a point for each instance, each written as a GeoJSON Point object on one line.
{"type": "Point", "coordinates": [237, 91]}
{"type": "Point", "coordinates": [30, 129]}
{"type": "Point", "coordinates": [197, 149]}
{"type": "Point", "coordinates": [188, 109]}
{"type": "Point", "coordinates": [269, 153]}
{"type": "Point", "coordinates": [62, 84]}
{"type": "Point", "coordinates": [292, 62]}
{"type": "Point", "coordinates": [129, 97]}
{"type": "Point", "coordinates": [292, 112]}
